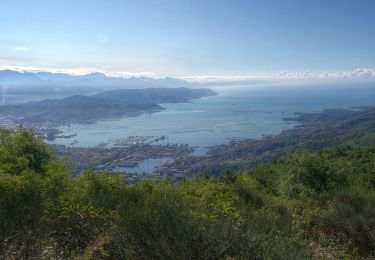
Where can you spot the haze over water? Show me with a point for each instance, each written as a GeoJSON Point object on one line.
{"type": "Point", "coordinates": [236, 112]}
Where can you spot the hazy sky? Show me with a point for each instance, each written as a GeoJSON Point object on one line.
{"type": "Point", "coordinates": [191, 37]}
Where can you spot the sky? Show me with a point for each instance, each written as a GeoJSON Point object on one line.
{"type": "Point", "coordinates": [190, 38]}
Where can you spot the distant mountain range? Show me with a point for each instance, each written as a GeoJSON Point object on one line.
{"type": "Point", "coordinates": [47, 83]}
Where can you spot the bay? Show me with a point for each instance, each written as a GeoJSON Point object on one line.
{"type": "Point", "coordinates": [236, 112]}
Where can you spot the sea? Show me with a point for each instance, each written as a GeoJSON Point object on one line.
{"type": "Point", "coordinates": [237, 112]}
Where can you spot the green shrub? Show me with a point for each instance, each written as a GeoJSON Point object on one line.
{"type": "Point", "coordinates": [350, 219]}
{"type": "Point", "coordinates": [323, 199]}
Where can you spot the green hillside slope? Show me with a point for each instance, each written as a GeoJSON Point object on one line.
{"type": "Point", "coordinates": [305, 205]}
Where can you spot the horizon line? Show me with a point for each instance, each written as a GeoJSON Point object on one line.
{"type": "Point", "coordinates": [308, 74]}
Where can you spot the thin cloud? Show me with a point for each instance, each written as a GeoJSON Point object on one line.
{"type": "Point", "coordinates": [360, 73]}
{"type": "Point", "coordinates": [75, 71]}
{"type": "Point", "coordinates": [21, 48]}
{"type": "Point", "coordinates": [357, 73]}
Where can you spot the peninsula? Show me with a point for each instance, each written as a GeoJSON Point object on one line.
{"type": "Point", "coordinates": [47, 114]}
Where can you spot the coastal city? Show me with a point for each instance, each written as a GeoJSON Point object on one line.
{"type": "Point", "coordinates": [135, 151]}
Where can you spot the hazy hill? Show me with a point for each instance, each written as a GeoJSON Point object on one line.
{"type": "Point", "coordinates": [105, 105]}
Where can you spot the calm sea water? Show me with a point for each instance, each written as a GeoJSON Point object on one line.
{"type": "Point", "coordinates": [147, 166]}
{"type": "Point", "coordinates": [236, 112]}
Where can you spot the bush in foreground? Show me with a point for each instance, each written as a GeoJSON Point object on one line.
{"type": "Point", "coordinates": [303, 205]}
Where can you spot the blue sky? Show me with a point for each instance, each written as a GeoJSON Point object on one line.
{"type": "Point", "coordinates": [189, 38]}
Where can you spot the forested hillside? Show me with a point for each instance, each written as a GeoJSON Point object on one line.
{"type": "Point", "coordinates": [328, 128]}
{"type": "Point", "coordinates": [304, 205]}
